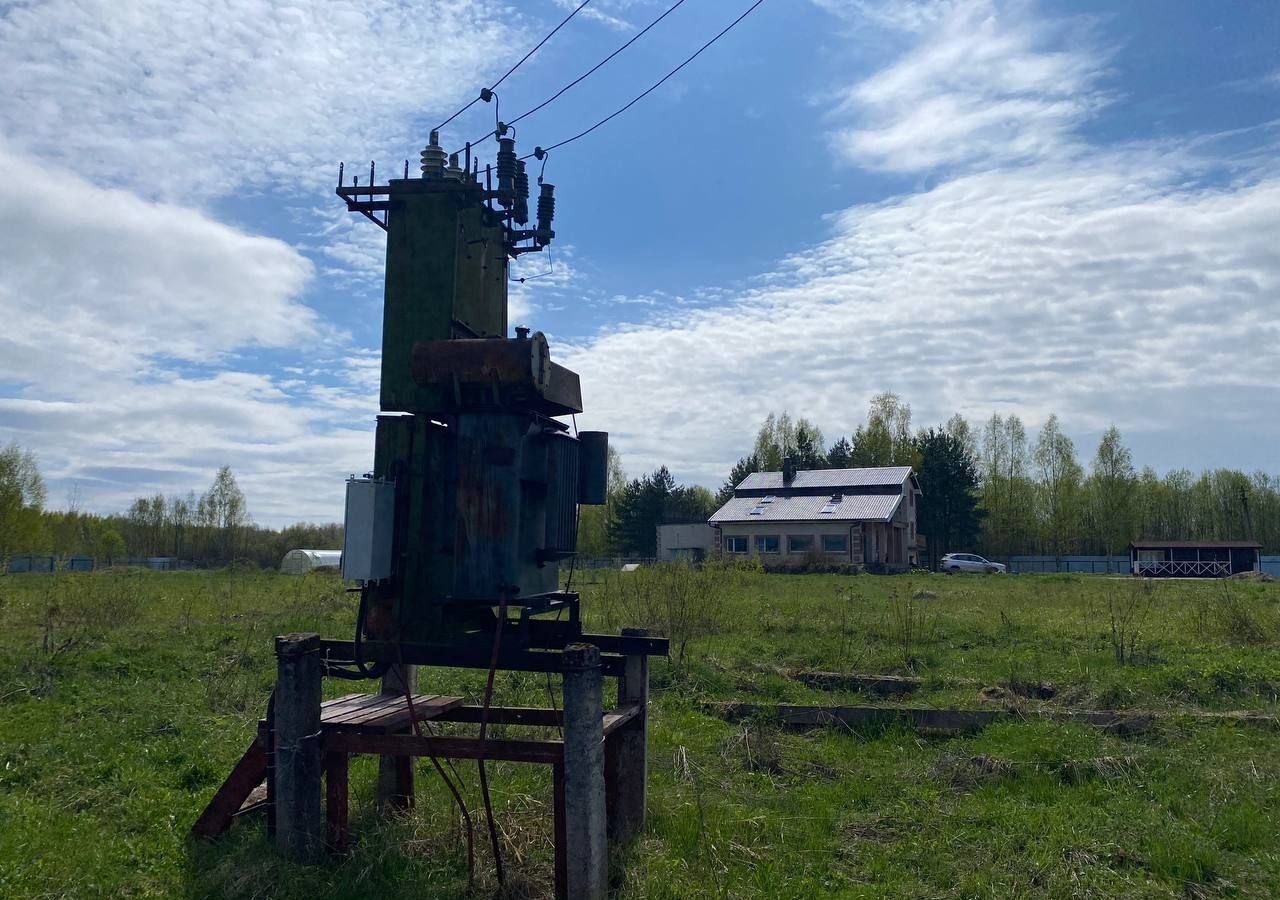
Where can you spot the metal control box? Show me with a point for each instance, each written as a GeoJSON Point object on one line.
{"type": "Point", "coordinates": [369, 529]}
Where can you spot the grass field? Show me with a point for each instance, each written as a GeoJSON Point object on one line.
{"type": "Point", "coordinates": [126, 697]}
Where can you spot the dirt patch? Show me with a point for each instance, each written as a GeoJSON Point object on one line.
{"type": "Point", "coordinates": [971, 771]}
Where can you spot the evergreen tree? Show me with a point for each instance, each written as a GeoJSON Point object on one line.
{"type": "Point", "coordinates": [748, 465]}
{"type": "Point", "coordinates": [840, 456]}
{"type": "Point", "coordinates": [949, 517]}
{"type": "Point", "coordinates": [809, 453]}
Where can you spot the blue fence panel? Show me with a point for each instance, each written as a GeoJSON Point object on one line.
{"type": "Point", "coordinates": [1087, 565]}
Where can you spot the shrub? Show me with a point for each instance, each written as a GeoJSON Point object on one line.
{"type": "Point", "coordinates": [675, 600]}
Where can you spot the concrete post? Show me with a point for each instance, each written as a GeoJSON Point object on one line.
{"type": "Point", "coordinates": [299, 827]}
{"type": "Point", "coordinates": [587, 865]}
{"type": "Point", "coordinates": [395, 773]}
{"type": "Point", "coordinates": [626, 763]}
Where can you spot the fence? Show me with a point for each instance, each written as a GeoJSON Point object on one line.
{"type": "Point", "coordinates": [1100, 565]}
{"type": "Point", "coordinates": [33, 563]}
{"type": "Point", "coordinates": [1095, 565]}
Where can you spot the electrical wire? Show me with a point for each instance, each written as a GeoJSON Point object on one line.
{"type": "Point", "coordinates": [538, 47]}
{"type": "Point", "coordinates": [587, 74]}
{"type": "Point", "coordinates": [453, 789]}
{"type": "Point", "coordinates": [484, 726]}
{"type": "Point", "coordinates": [653, 87]}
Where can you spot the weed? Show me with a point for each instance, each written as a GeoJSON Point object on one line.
{"type": "Point", "coordinates": [910, 625]}
{"type": "Point", "coordinates": [1128, 609]}
{"type": "Point", "coordinates": [675, 600]}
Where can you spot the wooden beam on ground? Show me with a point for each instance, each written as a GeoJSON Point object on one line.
{"type": "Point", "coordinates": [1121, 721]}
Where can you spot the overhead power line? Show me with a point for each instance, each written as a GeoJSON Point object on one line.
{"type": "Point", "coordinates": [536, 48]}
{"type": "Point", "coordinates": [587, 74]}
{"type": "Point", "coordinates": [653, 87]}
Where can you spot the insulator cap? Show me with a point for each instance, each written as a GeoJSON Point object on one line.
{"type": "Point", "coordinates": [454, 171]}
{"type": "Point", "coordinates": [433, 158]}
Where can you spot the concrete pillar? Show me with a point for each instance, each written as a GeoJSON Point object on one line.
{"type": "Point", "coordinates": [395, 773]}
{"type": "Point", "coordinates": [299, 830]}
{"type": "Point", "coordinates": [626, 763]}
{"type": "Point", "coordinates": [587, 864]}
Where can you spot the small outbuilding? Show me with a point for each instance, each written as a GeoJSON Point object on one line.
{"type": "Point", "coordinates": [299, 562]}
{"type": "Point", "coordinates": [1194, 559]}
{"type": "Point", "coordinates": [686, 542]}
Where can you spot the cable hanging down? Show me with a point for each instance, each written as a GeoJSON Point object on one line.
{"type": "Point", "coordinates": [538, 152]}
{"type": "Point", "coordinates": [521, 62]}
{"type": "Point", "coordinates": [587, 74]}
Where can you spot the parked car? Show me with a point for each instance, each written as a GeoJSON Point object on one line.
{"type": "Point", "coordinates": [970, 562]}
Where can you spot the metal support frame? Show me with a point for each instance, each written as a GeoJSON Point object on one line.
{"type": "Point", "coordinates": [598, 767]}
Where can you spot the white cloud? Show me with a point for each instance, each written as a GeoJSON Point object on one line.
{"type": "Point", "coordinates": [189, 100]}
{"type": "Point", "coordinates": [106, 295]}
{"type": "Point", "coordinates": [1136, 284]}
{"type": "Point", "coordinates": [99, 281]}
{"type": "Point", "coordinates": [986, 84]}
{"type": "Point", "coordinates": [608, 13]}
{"type": "Point", "coordinates": [121, 438]}
{"type": "Point", "coordinates": [1104, 290]}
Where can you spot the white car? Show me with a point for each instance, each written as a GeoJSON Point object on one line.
{"type": "Point", "coordinates": [970, 562]}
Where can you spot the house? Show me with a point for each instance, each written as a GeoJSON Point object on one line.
{"type": "Point", "coordinates": [1194, 559]}
{"type": "Point", "coordinates": [858, 516]}
{"type": "Point", "coordinates": [687, 542]}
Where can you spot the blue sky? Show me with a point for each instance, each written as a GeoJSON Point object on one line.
{"type": "Point", "coordinates": [1013, 207]}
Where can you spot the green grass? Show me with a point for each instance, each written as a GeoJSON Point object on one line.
{"type": "Point", "coordinates": [126, 697]}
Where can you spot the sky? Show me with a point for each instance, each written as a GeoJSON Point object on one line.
{"type": "Point", "coordinates": [1026, 207]}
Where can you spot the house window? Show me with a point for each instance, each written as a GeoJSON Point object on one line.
{"type": "Point", "coordinates": [799, 543]}
{"type": "Point", "coordinates": [835, 543]}
{"type": "Point", "coordinates": [736, 543]}
{"type": "Point", "coordinates": [767, 543]}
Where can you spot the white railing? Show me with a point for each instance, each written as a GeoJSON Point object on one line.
{"type": "Point", "coordinates": [1185, 568]}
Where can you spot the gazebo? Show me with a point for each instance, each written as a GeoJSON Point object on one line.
{"type": "Point", "coordinates": [1194, 559]}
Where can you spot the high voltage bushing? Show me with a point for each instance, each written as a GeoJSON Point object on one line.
{"type": "Point", "coordinates": [522, 194]}
{"type": "Point", "coordinates": [546, 214]}
{"type": "Point", "coordinates": [506, 169]}
{"type": "Point", "coordinates": [454, 172]}
{"type": "Point", "coordinates": [433, 158]}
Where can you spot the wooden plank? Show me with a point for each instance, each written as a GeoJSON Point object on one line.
{"type": "Point", "coordinates": [352, 741]}
{"type": "Point", "coordinates": [425, 706]}
{"type": "Point", "coordinates": [395, 716]}
{"type": "Point", "coordinates": [336, 799]}
{"type": "Point", "coordinates": [619, 717]}
{"type": "Point", "coordinates": [848, 681]}
{"type": "Point", "coordinates": [353, 710]}
{"type": "Point", "coordinates": [505, 715]}
{"type": "Point", "coordinates": [940, 719]}
{"type": "Point", "coordinates": [227, 800]}
{"type": "Point", "coordinates": [561, 839]}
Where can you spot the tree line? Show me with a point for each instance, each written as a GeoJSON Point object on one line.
{"type": "Point", "coordinates": [994, 489]}
{"type": "Point", "coordinates": [211, 528]}
{"type": "Point", "coordinates": [626, 525]}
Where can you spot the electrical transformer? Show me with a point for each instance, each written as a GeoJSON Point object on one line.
{"type": "Point", "coordinates": [472, 502]}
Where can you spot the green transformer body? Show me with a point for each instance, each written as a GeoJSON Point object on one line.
{"type": "Point", "coordinates": [477, 478]}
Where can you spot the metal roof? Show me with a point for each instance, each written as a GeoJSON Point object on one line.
{"type": "Point", "coordinates": [1187, 545]}
{"type": "Point", "coordinates": [851, 508]}
{"type": "Point", "coordinates": [829, 478]}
